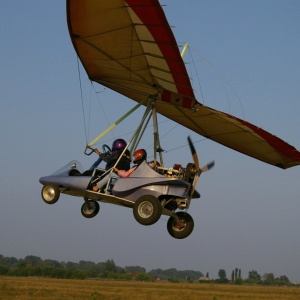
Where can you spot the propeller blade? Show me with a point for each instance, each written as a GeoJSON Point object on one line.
{"type": "Point", "coordinates": [194, 185]}
{"type": "Point", "coordinates": [194, 153]}
{"type": "Point", "coordinates": [196, 162]}
{"type": "Point", "coordinates": [208, 166]}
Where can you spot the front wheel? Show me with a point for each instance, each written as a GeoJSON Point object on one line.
{"type": "Point", "coordinates": [50, 194]}
{"type": "Point", "coordinates": [147, 210]}
{"type": "Point", "coordinates": [90, 208]}
{"type": "Point", "coordinates": [182, 229]}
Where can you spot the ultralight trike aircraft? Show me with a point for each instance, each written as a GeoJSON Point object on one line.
{"type": "Point", "coordinates": [149, 191]}
{"type": "Point", "coordinates": [128, 46]}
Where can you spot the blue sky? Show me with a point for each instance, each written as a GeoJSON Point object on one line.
{"type": "Point", "coordinates": [248, 64]}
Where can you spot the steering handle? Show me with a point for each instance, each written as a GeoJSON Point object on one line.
{"type": "Point", "coordinates": [89, 150]}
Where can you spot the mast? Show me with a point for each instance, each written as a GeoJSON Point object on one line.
{"type": "Point", "coordinates": [157, 147]}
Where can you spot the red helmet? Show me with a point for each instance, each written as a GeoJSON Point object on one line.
{"type": "Point", "coordinates": [139, 156]}
{"type": "Point", "coordinates": [118, 144]}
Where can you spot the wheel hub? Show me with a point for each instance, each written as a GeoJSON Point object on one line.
{"type": "Point", "coordinates": [146, 210]}
{"type": "Point", "coordinates": [49, 193]}
{"type": "Point", "coordinates": [89, 209]}
{"type": "Point", "coordinates": [179, 225]}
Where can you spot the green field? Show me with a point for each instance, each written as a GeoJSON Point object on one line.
{"type": "Point", "coordinates": [44, 288]}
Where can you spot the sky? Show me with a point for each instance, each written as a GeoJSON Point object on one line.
{"type": "Point", "coordinates": [247, 58]}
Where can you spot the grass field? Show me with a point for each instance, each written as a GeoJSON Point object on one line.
{"type": "Point", "coordinates": [43, 288]}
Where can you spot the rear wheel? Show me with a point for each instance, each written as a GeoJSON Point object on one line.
{"type": "Point", "coordinates": [50, 194]}
{"type": "Point", "coordinates": [90, 208]}
{"type": "Point", "coordinates": [182, 229]}
{"type": "Point", "coordinates": [147, 210]}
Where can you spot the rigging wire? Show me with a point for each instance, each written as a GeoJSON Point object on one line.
{"type": "Point", "coordinates": [197, 76]}
{"type": "Point", "coordinates": [219, 75]}
{"type": "Point", "coordinates": [180, 147]}
{"type": "Point", "coordinates": [89, 115]}
{"type": "Point", "coordinates": [186, 145]}
{"type": "Point", "coordinates": [81, 95]}
{"type": "Point", "coordinates": [224, 79]}
{"type": "Point", "coordinates": [101, 105]}
{"type": "Point", "coordinates": [87, 121]}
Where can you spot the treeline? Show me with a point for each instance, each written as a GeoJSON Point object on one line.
{"type": "Point", "coordinates": [253, 278]}
{"type": "Point", "coordinates": [35, 266]}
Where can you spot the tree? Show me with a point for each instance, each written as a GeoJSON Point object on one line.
{"type": "Point", "coordinates": [125, 276]}
{"type": "Point", "coordinates": [164, 274]}
{"type": "Point", "coordinates": [135, 269]}
{"type": "Point", "coordinates": [78, 274]}
{"type": "Point", "coordinates": [232, 276]}
{"type": "Point", "coordinates": [100, 267]}
{"type": "Point", "coordinates": [87, 265]}
{"type": "Point", "coordinates": [52, 263]}
{"type": "Point", "coordinates": [268, 279]}
{"type": "Point", "coordinates": [110, 266]}
{"type": "Point", "coordinates": [254, 276]}
{"type": "Point", "coordinates": [222, 276]}
{"type": "Point", "coordinates": [33, 260]}
{"type": "Point", "coordinates": [143, 277]}
{"type": "Point", "coordinates": [71, 265]}
{"type": "Point", "coordinates": [3, 270]}
{"type": "Point", "coordinates": [8, 261]}
{"type": "Point", "coordinates": [282, 280]}
{"type": "Point", "coordinates": [189, 275]}
{"type": "Point", "coordinates": [236, 276]}
{"type": "Point", "coordinates": [173, 273]}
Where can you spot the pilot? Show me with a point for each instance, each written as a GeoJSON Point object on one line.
{"type": "Point", "coordinates": [138, 157]}
{"type": "Point", "coordinates": [117, 148]}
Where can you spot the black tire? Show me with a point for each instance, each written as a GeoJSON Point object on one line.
{"type": "Point", "coordinates": [90, 209]}
{"type": "Point", "coordinates": [181, 232]}
{"type": "Point", "coordinates": [147, 210]}
{"type": "Point", "coordinates": [50, 194]}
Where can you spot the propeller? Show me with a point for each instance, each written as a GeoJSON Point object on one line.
{"type": "Point", "coordinates": [198, 170]}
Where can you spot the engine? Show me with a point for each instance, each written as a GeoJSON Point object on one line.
{"type": "Point", "coordinates": [177, 171]}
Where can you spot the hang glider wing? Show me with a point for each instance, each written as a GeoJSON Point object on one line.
{"type": "Point", "coordinates": [128, 46]}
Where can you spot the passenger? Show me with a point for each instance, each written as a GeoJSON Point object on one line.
{"type": "Point", "coordinates": [138, 157]}
{"type": "Point", "coordinates": [117, 148]}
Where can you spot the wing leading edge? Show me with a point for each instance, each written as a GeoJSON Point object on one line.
{"type": "Point", "coordinates": [128, 46]}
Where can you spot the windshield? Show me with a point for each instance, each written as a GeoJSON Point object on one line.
{"type": "Point", "coordinates": [74, 164]}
